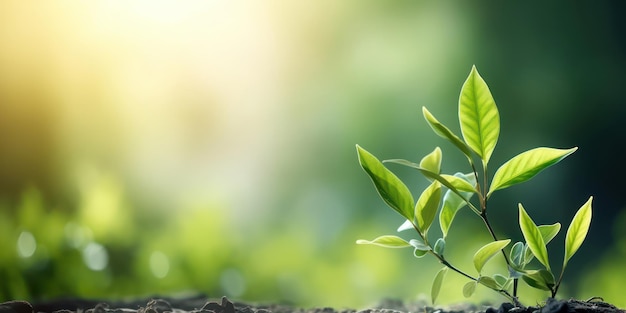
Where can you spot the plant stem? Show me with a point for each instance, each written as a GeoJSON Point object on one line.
{"type": "Point", "coordinates": [483, 216]}
{"type": "Point", "coordinates": [450, 266]}
{"type": "Point", "coordinates": [556, 287]}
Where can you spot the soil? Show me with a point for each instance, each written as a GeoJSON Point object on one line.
{"type": "Point", "coordinates": [202, 304]}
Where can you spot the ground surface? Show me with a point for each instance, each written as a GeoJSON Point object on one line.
{"type": "Point", "coordinates": [200, 304]}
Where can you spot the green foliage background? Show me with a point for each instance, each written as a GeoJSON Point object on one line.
{"type": "Point", "coordinates": [209, 146]}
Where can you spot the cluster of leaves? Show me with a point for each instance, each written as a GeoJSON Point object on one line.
{"type": "Point", "coordinates": [446, 194]}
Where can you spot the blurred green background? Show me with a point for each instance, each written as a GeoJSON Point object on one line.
{"type": "Point", "coordinates": [159, 147]}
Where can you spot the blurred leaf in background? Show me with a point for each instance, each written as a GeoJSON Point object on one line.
{"type": "Point", "coordinates": [159, 147]}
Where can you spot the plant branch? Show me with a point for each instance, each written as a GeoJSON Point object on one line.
{"type": "Point", "coordinates": [450, 266]}
{"type": "Point", "coordinates": [483, 216]}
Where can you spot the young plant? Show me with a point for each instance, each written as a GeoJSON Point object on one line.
{"type": "Point", "coordinates": [447, 194]}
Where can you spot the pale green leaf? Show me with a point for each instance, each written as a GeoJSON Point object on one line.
{"type": "Point", "coordinates": [469, 288]}
{"type": "Point", "coordinates": [433, 176]}
{"type": "Point", "coordinates": [533, 237]}
{"type": "Point", "coordinates": [487, 252]}
{"type": "Point", "coordinates": [440, 246]}
{"type": "Point", "coordinates": [452, 202]}
{"type": "Point", "coordinates": [405, 226]}
{"type": "Point", "coordinates": [427, 205]}
{"type": "Point", "coordinates": [445, 132]}
{"type": "Point", "coordinates": [437, 282]}
{"type": "Point", "coordinates": [517, 255]}
{"type": "Point", "coordinates": [387, 241]}
{"type": "Point", "coordinates": [390, 188]}
{"type": "Point", "coordinates": [479, 117]}
{"type": "Point", "coordinates": [577, 230]}
{"type": "Point", "coordinates": [528, 255]}
{"type": "Point", "coordinates": [419, 245]}
{"type": "Point", "coordinates": [427, 173]}
{"type": "Point", "coordinates": [548, 232]}
{"type": "Point", "coordinates": [488, 282]}
{"type": "Point", "coordinates": [459, 183]}
{"type": "Point", "coordinates": [502, 281]}
{"type": "Point", "coordinates": [525, 166]}
{"type": "Point", "coordinates": [432, 161]}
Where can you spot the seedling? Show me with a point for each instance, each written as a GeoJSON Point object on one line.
{"type": "Point", "coordinates": [447, 194]}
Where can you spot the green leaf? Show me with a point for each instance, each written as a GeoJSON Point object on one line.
{"type": "Point", "coordinates": [420, 248]}
{"type": "Point", "coordinates": [431, 175]}
{"type": "Point", "coordinates": [434, 291]}
{"type": "Point", "coordinates": [533, 237]}
{"type": "Point", "coordinates": [540, 279]}
{"type": "Point", "coordinates": [525, 166]}
{"type": "Point", "coordinates": [387, 241]}
{"type": "Point", "coordinates": [390, 188]}
{"type": "Point", "coordinates": [528, 255]}
{"type": "Point", "coordinates": [517, 255]}
{"type": "Point", "coordinates": [445, 132]}
{"type": "Point", "coordinates": [577, 230]}
{"type": "Point", "coordinates": [427, 205]}
{"type": "Point", "coordinates": [419, 253]}
{"type": "Point", "coordinates": [419, 245]}
{"type": "Point", "coordinates": [440, 246]}
{"type": "Point", "coordinates": [432, 161]}
{"type": "Point", "coordinates": [479, 117]}
{"type": "Point", "coordinates": [488, 282]}
{"type": "Point", "coordinates": [459, 183]}
{"type": "Point", "coordinates": [548, 232]}
{"type": "Point", "coordinates": [469, 288]}
{"type": "Point", "coordinates": [452, 203]}
{"type": "Point", "coordinates": [503, 281]}
{"type": "Point", "coordinates": [487, 251]}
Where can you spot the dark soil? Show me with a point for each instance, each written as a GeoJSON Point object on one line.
{"type": "Point", "coordinates": [201, 304]}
